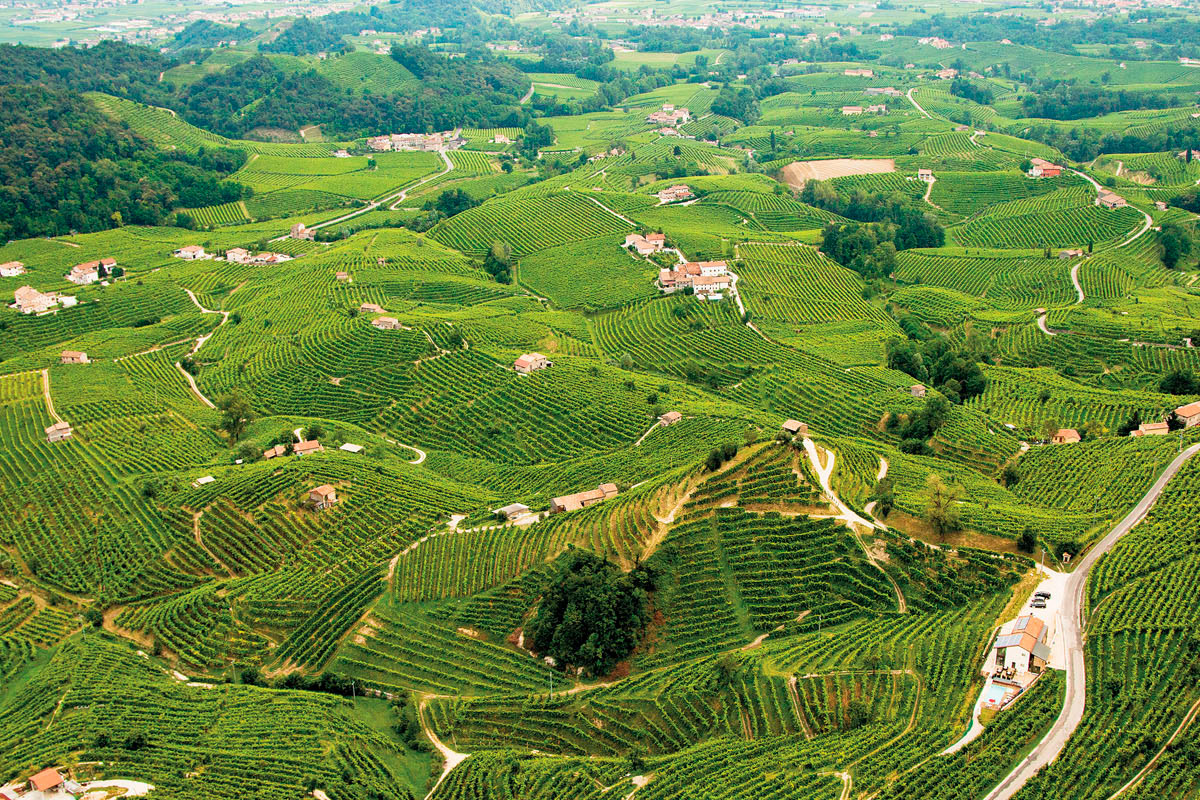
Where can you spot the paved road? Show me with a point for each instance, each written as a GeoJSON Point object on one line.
{"type": "Point", "coordinates": [917, 105]}
{"type": "Point", "coordinates": [1072, 632]}
{"type": "Point", "coordinates": [1078, 286]}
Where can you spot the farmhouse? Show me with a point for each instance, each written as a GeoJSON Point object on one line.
{"type": "Point", "coordinates": [947, 74]}
{"type": "Point", "coordinates": [431, 142]}
{"type": "Point", "coordinates": [1159, 205]}
{"type": "Point", "coordinates": [11, 269]}
{"type": "Point", "coordinates": [303, 448]}
{"type": "Point", "coordinates": [500, 138]}
{"type": "Point", "coordinates": [31, 301]}
{"type": "Point", "coordinates": [342, 276]}
{"type": "Point", "coordinates": [674, 193]}
{"type": "Point", "coordinates": [58, 432]}
{"type": "Point", "coordinates": [574, 502]}
{"type": "Point", "coordinates": [794, 427]}
{"type": "Point", "coordinates": [302, 232]}
{"type": "Point", "coordinates": [1107, 199]}
{"type": "Point", "coordinates": [890, 91]}
{"type": "Point", "coordinates": [917, 390]}
{"type": "Point", "coordinates": [190, 252]}
{"type": "Point", "coordinates": [322, 497]}
{"type": "Point", "coordinates": [85, 273]}
{"type": "Point", "coordinates": [851, 111]}
{"type": "Point", "coordinates": [73, 357]}
{"type": "Point", "coordinates": [1066, 436]}
{"type": "Point", "coordinates": [670, 418]}
{"type": "Point", "coordinates": [531, 362]}
{"type": "Point", "coordinates": [275, 452]}
{"type": "Point", "coordinates": [370, 308]}
{"type": "Point", "coordinates": [710, 286]}
{"type": "Point", "coordinates": [1151, 429]}
{"type": "Point", "coordinates": [1041, 168]}
{"type": "Point", "coordinates": [1070, 252]}
{"type": "Point", "coordinates": [386, 323]}
{"type": "Point", "coordinates": [270, 258]}
{"type": "Point", "coordinates": [237, 255]}
{"type": "Point", "coordinates": [1189, 414]}
{"type": "Point", "coordinates": [512, 511]}
{"type": "Point", "coordinates": [669, 115]}
{"type": "Point", "coordinates": [47, 781]}
{"type": "Point", "coordinates": [645, 245]}
{"type": "Point", "coordinates": [704, 277]}
{"type": "Point", "coordinates": [925, 175]}
{"type": "Point", "coordinates": [859, 73]}
{"type": "Point", "coordinates": [1021, 646]}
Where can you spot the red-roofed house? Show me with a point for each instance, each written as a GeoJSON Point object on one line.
{"type": "Point", "coordinates": [1066, 436]}
{"type": "Point", "coordinates": [530, 362]}
{"type": "Point", "coordinates": [73, 357]}
{"type": "Point", "coordinates": [305, 448]}
{"type": "Point", "coordinates": [1041, 168]}
{"type": "Point", "coordinates": [1189, 414]}
{"type": "Point", "coordinates": [322, 497]}
{"type": "Point", "coordinates": [574, 502]}
{"type": "Point", "coordinates": [47, 780]}
{"type": "Point", "coordinates": [670, 418]}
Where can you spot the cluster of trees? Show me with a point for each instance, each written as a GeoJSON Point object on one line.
{"type": "Point", "coordinates": [1174, 244]}
{"type": "Point", "coordinates": [954, 373]}
{"type": "Point", "coordinates": [886, 223]}
{"type": "Point", "coordinates": [720, 455]}
{"type": "Point", "coordinates": [917, 429]}
{"type": "Point", "coordinates": [1083, 143]}
{"type": "Point", "coordinates": [68, 166]}
{"type": "Point", "coordinates": [205, 33]}
{"type": "Point", "coordinates": [498, 262]}
{"type": "Point", "coordinates": [591, 614]}
{"type": "Point", "coordinates": [970, 90]}
{"type": "Point", "coordinates": [1062, 100]}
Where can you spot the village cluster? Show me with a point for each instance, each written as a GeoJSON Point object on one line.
{"type": "Point", "coordinates": [28, 300]}
{"type": "Point", "coordinates": [424, 142]}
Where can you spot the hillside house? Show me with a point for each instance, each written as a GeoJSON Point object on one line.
{"type": "Point", "coordinates": [386, 323]}
{"type": "Point", "coordinates": [925, 175]}
{"type": "Point", "coordinates": [58, 432]}
{"type": "Point", "coordinates": [669, 115]}
{"type": "Point", "coordinates": [574, 502]}
{"type": "Point", "coordinates": [531, 362]}
{"type": "Point", "coordinates": [191, 252]}
{"type": "Point", "coordinates": [1159, 205]}
{"type": "Point", "coordinates": [1041, 168]}
{"type": "Point", "coordinates": [710, 286]}
{"type": "Point", "coordinates": [674, 194]}
{"type": "Point", "coordinates": [1189, 414]}
{"type": "Point", "coordinates": [275, 452]}
{"type": "Point", "coordinates": [1151, 429]}
{"type": "Point", "coordinates": [370, 308]}
{"type": "Point", "coordinates": [73, 357]}
{"type": "Point", "coordinates": [85, 273]}
{"type": "Point", "coordinates": [500, 138]}
{"type": "Point", "coordinates": [48, 781]}
{"type": "Point", "coordinates": [645, 245]}
{"type": "Point", "coordinates": [859, 73]}
{"type": "Point", "coordinates": [301, 232]}
{"type": "Point", "coordinates": [947, 74]}
{"type": "Point", "coordinates": [877, 108]}
{"type": "Point", "coordinates": [794, 427]}
{"type": "Point", "coordinates": [917, 390]}
{"type": "Point", "coordinates": [851, 111]}
{"type": "Point", "coordinates": [30, 301]}
{"type": "Point", "coordinates": [890, 91]}
{"type": "Point", "coordinates": [270, 258]}
{"type": "Point", "coordinates": [1066, 436]}
{"type": "Point", "coordinates": [1070, 252]}
{"type": "Point", "coordinates": [341, 154]}
{"type": "Point", "coordinates": [237, 255]}
{"type": "Point", "coordinates": [1021, 646]}
{"type": "Point", "coordinates": [1183, 155]}
{"type": "Point", "coordinates": [309, 447]}
{"type": "Point", "coordinates": [322, 497]}
{"type": "Point", "coordinates": [704, 277]}
{"type": "Point", "coordinates": [342, 276]}
{"type": "Point", "coordinates": [11, 269]}
{"type": "Point", "coordinates": [511, 511]}
{"type": "Point", "coordinates": [670, 418]}
{"type": "Point", "coordinates": [1107, 199]}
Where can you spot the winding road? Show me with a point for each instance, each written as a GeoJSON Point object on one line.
{"type": "Point", "coordinates": [917, 105]}
{"type": "Point", "coordinates": [1071, 616]}
{"type": "Point", "coordinates": [196, 348]}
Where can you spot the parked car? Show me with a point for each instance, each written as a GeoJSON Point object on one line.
{"type": "Point", "coordinates": [1041, 595]}
{"type": "Point", "coordinates": [1039, 603]}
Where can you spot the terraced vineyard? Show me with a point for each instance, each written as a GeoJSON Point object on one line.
{"type": "Point", "coordinates": [470, 500]}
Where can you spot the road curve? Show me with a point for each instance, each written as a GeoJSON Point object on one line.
{"type": "Point", "coordinates": [1071, 615]}
{"type": "Point", "coordinates": [1078, 286]}
{"type": "Point", "coordinates": [917, 105]}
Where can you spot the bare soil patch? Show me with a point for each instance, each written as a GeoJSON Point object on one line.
{"type": "Point", "coordinates": [798, 172]}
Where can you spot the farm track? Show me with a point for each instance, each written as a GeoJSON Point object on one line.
{"type": "Point", "coordinates": [196, 348]}
{"type": "Point", "coordinates": [450, 758]}
{"type": "Point", "coordinates": [1133, 782]}
{"type": "Point", "coordinates": [917, 105]}
{"type": "Point", "coordinates": [49, 400]}
{"type": "Point", "coordinates": [1060, 732]}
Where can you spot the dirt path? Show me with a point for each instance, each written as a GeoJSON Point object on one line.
{"type": "Point", "coordinates": [200, 542]}
{"type": "Point", "coordinates": [849, 517]}
{"type": "Point", "coordinates": [528, 95]}
{"type": "Point", "coordinates": [450, 759]}
{"type": "Point", "coordinates": [917, 105]}
{"type": "Point", "coordinates": [651, 430]}
{"type": "Point", "coordinates": [794, 694]}
{"type": "Point", "coordinates": [619, 216]}
{"type": "Point", "coordinates": [1041, 321]}
{"type": "Point", "coordinates": [421, 454]}
{"type": "Point", "coordinates": [928, 190]}
{"type": "Point", "coordinates": [1144, 771]}
{"type": "Point", "coordinates": [1075, 280]}
{"type": "Point", "coordinates": [196, 348]}
{"type": "Point", "coordinates": [1060, 732]}
{"type": "Point", "coordinates": [46, 394]}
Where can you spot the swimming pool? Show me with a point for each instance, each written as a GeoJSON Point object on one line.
{"type": "Point", "coordinates": [993, 695]}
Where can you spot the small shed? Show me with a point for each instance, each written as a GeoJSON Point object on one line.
{"type": "Point", "coordinates": [351, 448]}
{"type": "Point", "coordinates": [917, 390]}
{"type": "Point", "coordinates": [670, 418]}
{"type": "Point", "coordinates": [322, 497]}
{"type": "Point", "coordinates": [58, 432]}
{"type": "Point", "coordinates": [73, 357]}
{"type": "Point", "coordinates": [513, 510]}
{"type": "Point", "coordinates": [46, 781]}
{"type": "Point", "coordinates": [795, 427]}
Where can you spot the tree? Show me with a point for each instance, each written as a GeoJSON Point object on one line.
{"type": "Point", "coordinates": [1049, 428]}
{"type": "Point", "coordinates": [1027, 541]}
{"type": "Point", "coordinates": [236, 413]}
{"type": "Point", "coordinates": [942, 505]}
{"type": "Point", "coordinates": [1175, 244]}
{"type": "Point", "coordinates": [1179, 381]}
